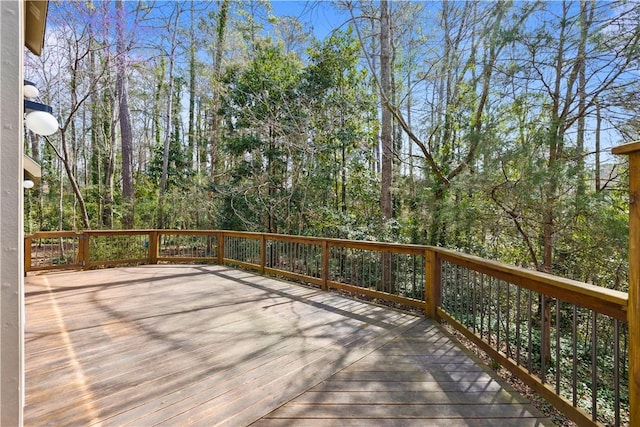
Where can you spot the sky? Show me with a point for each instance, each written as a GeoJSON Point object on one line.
{"type": "Point", "coordinates": [321, 16]}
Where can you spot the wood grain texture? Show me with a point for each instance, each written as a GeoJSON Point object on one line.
{"type": "Point", "coordinates": [418, 378]}
{"type": "Point", "coordinates": [210, 345]}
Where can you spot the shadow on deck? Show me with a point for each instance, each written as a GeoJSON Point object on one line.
{"type": "Point", "coordinates": [210, 345]}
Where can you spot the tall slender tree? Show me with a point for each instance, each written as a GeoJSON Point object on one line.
{"type": "Point", "coordinates": [173, 29]}
{"type": "Point", "coordinates": [124, 118]}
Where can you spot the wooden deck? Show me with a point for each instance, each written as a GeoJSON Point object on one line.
{"type": "Point", "coordinates": [210, 345]}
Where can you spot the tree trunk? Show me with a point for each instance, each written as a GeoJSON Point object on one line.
{"type": "Point", "coordinates": [125, 120]}
{"type": "Point", "coordinates": [597, 147]}
{"type": "Point", "coordinates": [192, 87]}
{"type": "Point", "coordinates": [386, 125]}
{"type": "Point", "coordinates": [386, 133]}
{"type": "Point", "coordinates": [168, 120]}
{"type": "Point", "coordinates": [582, 96]}
{"type": "Point", "coordinates": [110, 170]}
{"type": "Point", "coordinates": [217, 77]}
{"type": "Point", "coordinates": [64, 158]}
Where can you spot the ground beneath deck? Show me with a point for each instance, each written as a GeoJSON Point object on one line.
{"type": "Point", "coordinates": [210, 345]}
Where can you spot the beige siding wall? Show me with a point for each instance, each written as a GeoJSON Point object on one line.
{"type": "Point", "coordinates": [11, 194]}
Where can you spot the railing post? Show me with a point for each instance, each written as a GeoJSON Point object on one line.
{"type": "Point", "coordinates": [263, 252]}
{"type": "Point", "coordinates": [154, 246]}
{"type": "Point", "coordinates": [325, 265]}
{"type": "Point", "coordinates": [633, 311]}
{"type": "Point", "coordinates": [220, 238]}
{"type": "Point", "coordinates": [432, 284]}
{"type": "Point", "coordinates": [27, 254]}
{"type": "Point", "coordinates": [83, 250]}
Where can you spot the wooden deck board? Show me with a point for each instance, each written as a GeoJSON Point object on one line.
{"type": "Point", "coordinates": [210, 345]}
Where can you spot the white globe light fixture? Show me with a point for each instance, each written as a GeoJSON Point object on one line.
{"type": "Point", "coordinates": [28, 184]}
{"type": "Point", "coordinates": [39, 118]}
{"type": "Point", "coordinates": [30, 91]}
{"type": "Point", "coordinates": [42, 123]}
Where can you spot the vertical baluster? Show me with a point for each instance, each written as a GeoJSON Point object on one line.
{"type": "Point", "coordinates": [414, 277]}
{"type": "Point", "coordinates": [305, 260]}
{"type": "Point", "coordinates": [373, 267]}
{"type": "Point", "coordinates": [518, 324]}
{"type": "Point", "coordinates": [354, 256]}
{"type": "Point", "coordinates": [557, 366]}
{"type": "Point", "coordinates": [456, 286]}
{"type": "Point", "coordinates": [452, 291]}
{"type": "Point", "coordinates": [507, 335]}
{"type": "Point", "coordinates": [445, 287]}
{"type": "Point", "coordinates": [464, 301]}
{"type": "Point", "coordinates": [363, 270]}
{"type": "Point", "coordinates": [274, 253]}
{"type": "Point", "coordinates": [530, 331]}
{"type": "Point", "coordinates": [402, 268]}
{"type": "Point", "coordinates": [543, 340]}
{"type": "Point", "coordinates": [397, 285]}
{"type": "Point", "coordinates": [450, 288]}
{"type": "Point", "coordinates": [459, 286]}
{"type": "Point", "coordinates": [482, 305]}
{"type": "Point", "coordinates": [349, 254]}
{"type": "Point", "coordinates": [594, 365]}
{"type": "Point", "coordinates": [461, 294]}
{"type": "Point", "coordinates": [574, 354]}
{"type": "Point", "coordinates": [233, 245]}
{"type": "Point", "coordinates": [616, 369]}
{"type": "Point", "coordinates": [470, 300]}
{"type": "Point", "coordinates": [475, 302]}
{"type": "Point", "coordinates": [453, 281]}
{"type": "Point", "coordinates": [490, 309]}
{"type": "Point", "coordinates": [498, 312]}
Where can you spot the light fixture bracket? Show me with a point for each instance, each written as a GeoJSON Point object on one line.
{"type": "Point", "coordinates": [36, 106]}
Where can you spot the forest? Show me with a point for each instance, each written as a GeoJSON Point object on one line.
{"type": "Point", "coordinates": [484, 127]}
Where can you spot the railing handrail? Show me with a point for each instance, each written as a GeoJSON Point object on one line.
{"type": "Point", "coordinates": [53, 234]}
{"type": "Point", "coordinates": [555, 286]}
{"type": "Point", "coordinates": [601, 299]}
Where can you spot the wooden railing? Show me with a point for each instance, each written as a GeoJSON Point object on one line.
{"type": "Point", "coordinates": [567, 340]}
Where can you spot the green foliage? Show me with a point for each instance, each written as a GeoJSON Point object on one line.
{"type": "Point", "coordinates": [179, 171]}
{"type": "Point", "coordinates": [296, 149]}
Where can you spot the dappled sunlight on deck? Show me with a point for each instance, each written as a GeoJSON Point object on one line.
{"type": "Point", "coordinates": [206, 345]}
